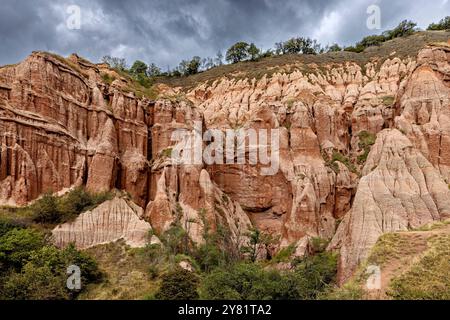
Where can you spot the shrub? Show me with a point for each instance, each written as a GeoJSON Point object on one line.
{"type": "Point", "coordinates": [35, 283]}
{"type": "Point", "coordinates": [404, 28]}
{"type": "Point", "coordinates": [34, 269]}
{"type": "Point", "coordinates": [356, 49]}
{"type": "Point", "coordinates": [370, 41]}
{"type": "Point", "coordinates": [317, 273]}
{"type": "Point", "coordinates": [46, 209]}
{"type": "Point", "coordinates": [17, 246]}
{"type": "Point", "coordinates": [339, 157]}
{"type": "Point", "coordinates": [444, 24]}
{"type": "Point", "coordinates": [178, 284]}
{"type": "Point", "coordinates": [52, 210]}
{"type": "Point", "coordinates": [334, 48]}
{"type": "Point", "coordinates": [284, 254]}
{"type": "Point", "coordinates": [366, 141]}
{"type": "Point", "coordinates": [79, 200]}
{"type": "Point", "coordinates": [245, 281]}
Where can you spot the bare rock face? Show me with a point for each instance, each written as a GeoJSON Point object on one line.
{"type": "Point", "coordinates": [114, 220]}
{"type": "Point", "coordinates": [61, 126]}
{"type": "Point", "coordinates": [400, 190]}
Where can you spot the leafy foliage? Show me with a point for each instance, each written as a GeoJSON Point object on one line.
{"type": "Point", "coordinates": [31, 268]}
{"type": "Point", "coordinates": [178, 284]}
{"type": "Point", "coordinates": [366, 141]}
{"type": "Point", "coordinates": [444, 24]}
{"type": "Point", "coordinates": [298, 45]}
{"type": "Point", "coordinates": [115, 63]}
{"type": "Point", "coordinates": [52, 210]}
{"type": "Point", "coordinates": [250, 281]}
{"type": "Point", "coordinates": [237, 52]}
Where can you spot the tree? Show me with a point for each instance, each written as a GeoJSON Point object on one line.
{"type": "Point", "coordinates": [253, 52]}
{"type": "Point", "coordinates": [444, 24]}
{"type": "Point", "coordinates": [46, 210]}
{"type": "Point", "coordinates": [190, 67]}
{"type": "Point", "coordinates": [298, 45]}
{"type": "Point", "coordinates": [153, 70]}
{"type": "Point", "coordinates": [258, 241]}
{"type": "Point", "coordinates": [115, 63]}
{"type": "Point", "coordinates": [138, 68]}
{"type": "Point", "coordinates": [334, 48]}
{"type": "Point", "coordinates": [207, 63]}
{"type": "Point", "coordinates": [267, 54]}
{"type": "Point", "coordinates": [219, 58]}
{"type": "Point", "coordinates": [370, 41]}
{"type": "Point", "coordinates": [17, 246]}
{"type": "Point", "coordinates": [238, 52]}
{"type": "Point", "coordinates": [405, 28]}
{"type": "Point", "coordinates": [178, 284]}
{"type": "Point", "coordinates": [35, 283]}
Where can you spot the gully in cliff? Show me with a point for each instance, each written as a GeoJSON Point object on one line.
{"type": "Point", "coordinates": [227, 147]}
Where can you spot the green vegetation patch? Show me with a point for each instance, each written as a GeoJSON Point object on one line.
{"type": "Point", "coordinates": [366, 141]}
{"type": "Point", "coordinates": [429, 278]}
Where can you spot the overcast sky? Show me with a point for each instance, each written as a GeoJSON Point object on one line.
{"type": "Point", "coordinates": [167, 31]}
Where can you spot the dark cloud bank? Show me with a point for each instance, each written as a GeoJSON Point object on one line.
{"type": "Point", "coordinates": [167, 31]}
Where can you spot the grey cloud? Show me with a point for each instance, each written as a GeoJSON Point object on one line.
{"type": "Point", "coordinates": [165, 32]}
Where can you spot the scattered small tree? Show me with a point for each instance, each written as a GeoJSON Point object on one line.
{"type": "Point", "coordinates": [254, 52]}
{"type": "Point", "coordinates": [404, 28]}
{"type": "Point", "coordinates": [334, 48]}
{"type": "Point", "coordinates": [138, 68]}
{"type": "Point", "coordinates": [153, 70]}
{"type": "Point", "coordinates": [238, 52]}
{"type": "Point", "coordinates": [258, 242]}
{"type": "Point", "coordinates": [178, 284]}
{"type": "Point", "coordinates": [444, 24]}
{"type": "Point", "coordinates": [115, 63]}
{"type": "Point", "coordinates": [219, 58]}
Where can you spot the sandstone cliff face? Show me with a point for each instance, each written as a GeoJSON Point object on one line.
{"type": "Point", "coordinates": [61, 126]}
{"type": "Point", "coordinates": [114, 220]}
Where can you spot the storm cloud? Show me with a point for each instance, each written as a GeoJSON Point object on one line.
{"type": "Point", "coordinates": [167, 31]}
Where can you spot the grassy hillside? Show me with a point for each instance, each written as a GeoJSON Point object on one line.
{"type": "Point", "coordinates": [400, 47]}
{"type": "Point", "coordinates": [414, 265]}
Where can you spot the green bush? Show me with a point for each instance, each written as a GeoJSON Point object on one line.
{"type": "Point", "coordinates": [317, 273]}
{"type": "Point", "coordinates": [53, 210]}
{"type": "Point", "coordinates": [46, 210]}
{"type": "Point", "coordinates": [444, 24]}
{"type": "Point", "coordinates": [33, 269]}
{"type": "Point", "coordinates": [35, 283]}
{"type": "Point", "coordinates": [178, 284]}
{"type": "Point", "coordinates": [250, 281]}
{"type": "Point", "coordinates": [366, 141]}
{"type": "Point", "coordinates": [17, 246]}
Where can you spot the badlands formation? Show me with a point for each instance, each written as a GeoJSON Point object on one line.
{"type": "Point", "coordinates": [364, 149]}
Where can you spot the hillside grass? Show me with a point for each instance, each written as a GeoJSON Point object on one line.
{"type": "Point", "coordinates": [429, 277]}
{"type": "Point", "coordinates": [398, 47]}
{"type": "Point", "coordinates": [127, 274]}
{"type": "Point", "coordinates": [415, 265]}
